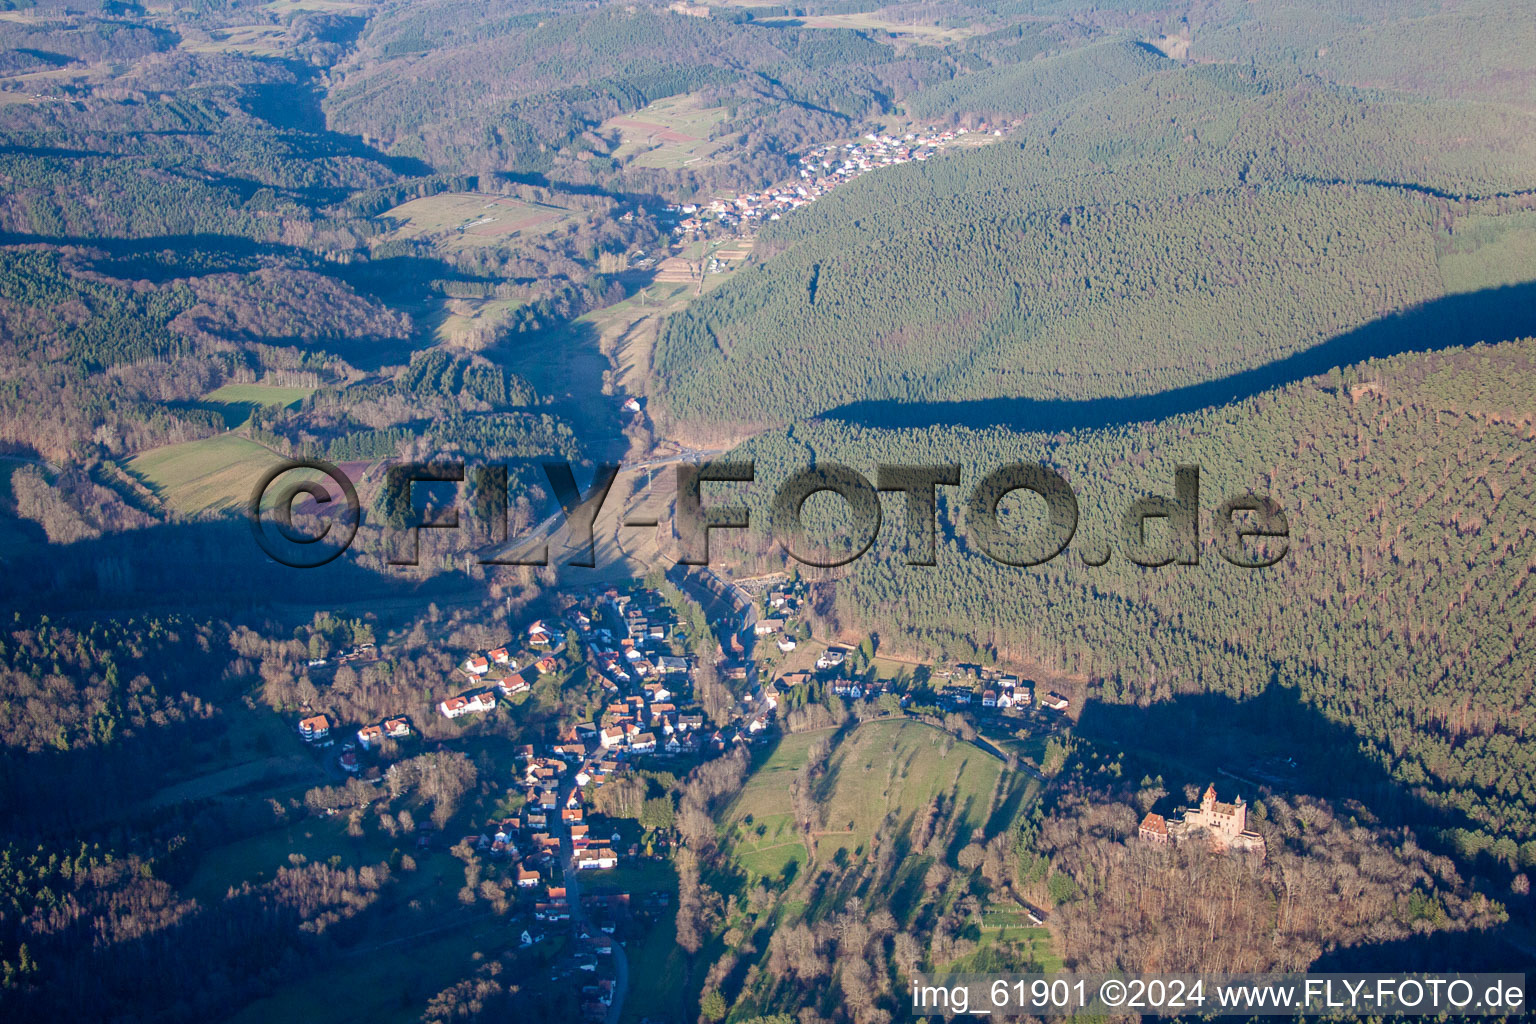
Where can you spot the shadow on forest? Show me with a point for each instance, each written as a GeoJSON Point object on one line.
{"type": "Point", "coordinates": [1246, 748]}
{"type": "Point", "coordinates": [1493, 314]}
{"type": "Point", "coordinates": [209, 567]}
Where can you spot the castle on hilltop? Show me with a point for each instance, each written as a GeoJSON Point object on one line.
{"type": "Point", "coordinates": [1223, 826]}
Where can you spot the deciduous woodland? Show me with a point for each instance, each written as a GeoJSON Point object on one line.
{"type": "Point", "coordinates": [1293, 244]}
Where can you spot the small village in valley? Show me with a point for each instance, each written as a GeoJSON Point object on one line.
{"type": "Point", "coordinates": [577, 837]}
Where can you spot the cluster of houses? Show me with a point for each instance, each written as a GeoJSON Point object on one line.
{"type": "Point", "coordinates": [371, 737]}
{"type": "Point", "coordinates": [997, 691]}
{"type": "Point", "coordinates": [529, 837]}
{"type": "Point", "coordinates": [650, 722]}
{"type": "Point", "coordinates": [316, 731]}
{"type": "Point", "coordinates": [505, 674]}
{"type": "Point", "coordinates": [775, 627]}
{"type": "Point", "coordinates": [581, 960]}
{"type": "Point", "coordinates": [630, 636]}
{"type": "Point", "coordinates": [1001, 693]}
{"type": "Point", "coordinates": [822, 169]}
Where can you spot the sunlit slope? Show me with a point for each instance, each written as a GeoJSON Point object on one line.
{"type": "Point", "coordinates": [1194, 224]}
{"type": "Point", "coordinates": [876, 782]}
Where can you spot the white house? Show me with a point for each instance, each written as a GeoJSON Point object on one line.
{"type": "Point", "coordinates": [467, 704]}
{"type": "Point", "coordinates": [315, 729]}
{"type": "Point", "coordinates": [596, 858]}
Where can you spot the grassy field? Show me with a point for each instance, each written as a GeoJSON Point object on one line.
{"type": "Point", "coordinates": [472, 322]}
{"type": "Point", "coordinates": [198, 476]}
{"type": "Point", "coordinates": [767, 840]}
{"type": "Point", "coordinates": [257, 858]}
{"type": "Point", "coordinates": [886, 768]}
{"type": "Point", "coordinates": [644, 877]}
{"type": "Point", "coordinates": [390, 985]}
{"type": "Point", "coordinates": [670, 133]}
{"type": "Point", "coordinates": [1036, 942]}
{"type": "Point", "coordinates": [896, 767]}
{"type": "Point", "coordinates": [255, 40]}
{"type": "Point", "coordinates": [656, 971]}
{"type": "Point", "coordinates": [469, 220]}
{"type": "Point", "coordinates": [236, 402]}
{"type": "Point", "coordinates": [875, 21]}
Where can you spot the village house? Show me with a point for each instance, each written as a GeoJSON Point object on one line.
{"type": "Point", "coordinates": [477, 665]}
{"type": "Point", "coordinates": [316, 729]}
{"type": "Point", "coordinates": [832, 657]}
{"type": "Point", "coordinates": [513, 684]}
{"type": "Point", "coordinates": [596, 857]}
{"type": "Point", "coordinates": [467, 704]}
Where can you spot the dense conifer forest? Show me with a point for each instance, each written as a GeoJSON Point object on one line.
{"type": "Point", "coordinates": [1398, 610]}
{"type": "Point", "coordinates": [1290, 242]}
{"type": "Point", "coordinates": [1130, 244]}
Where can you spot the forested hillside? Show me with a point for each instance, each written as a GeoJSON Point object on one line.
{"type": "Point", "coordinates": [1128, 243]}
{"type": "Point", "coordinates": [1289, 242]}
{"type": "Point", "coordinates": [530, 84]}
{"type": "Point", "coordinates": [180, 225]}
{"type": "Point", "coordinates": [1400, 611]}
